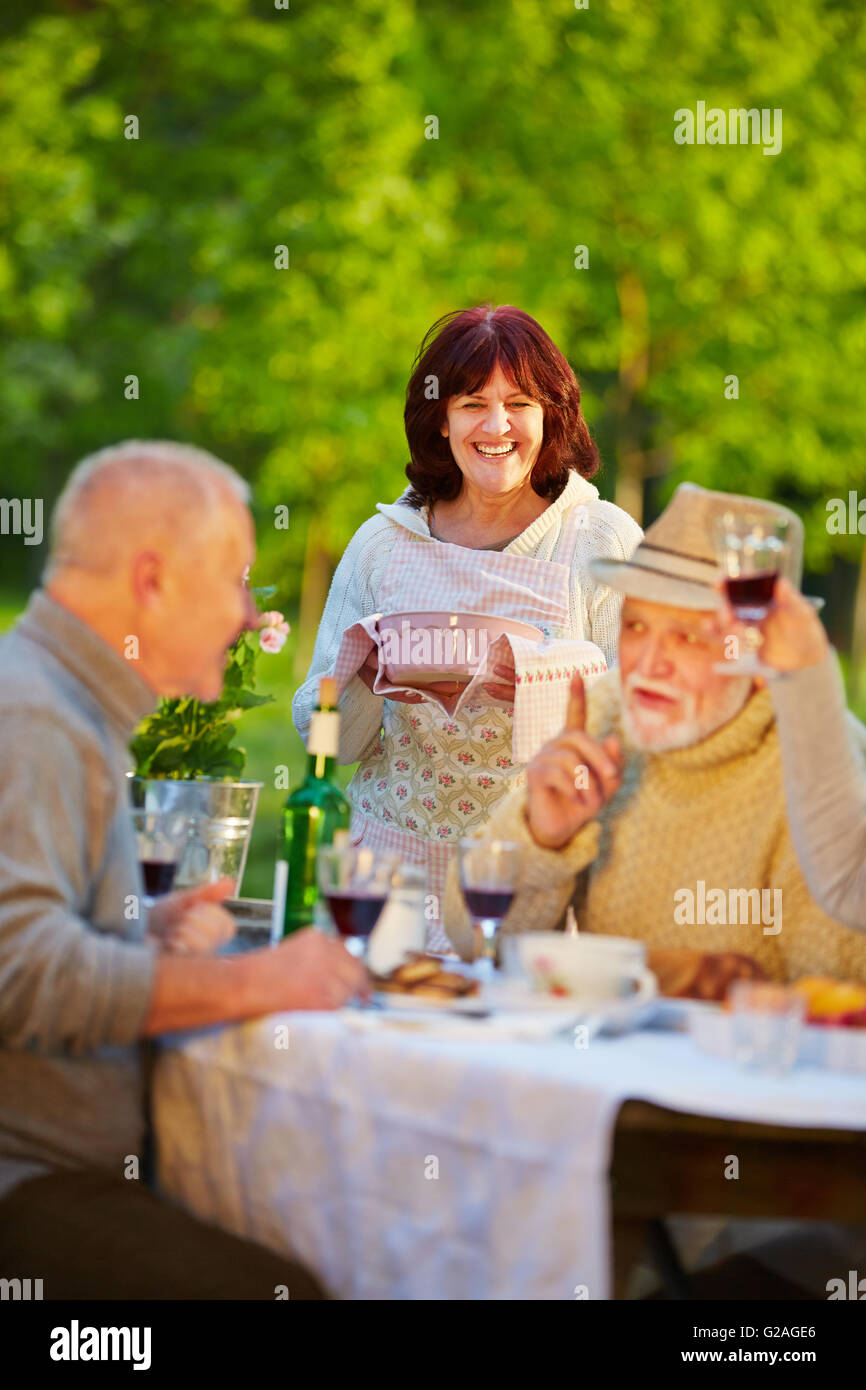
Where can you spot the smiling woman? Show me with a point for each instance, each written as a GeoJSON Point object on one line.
{"type": "Point", "coordinates": [486, 379]}
{"type": "Point", "coordinates": [500, 462]}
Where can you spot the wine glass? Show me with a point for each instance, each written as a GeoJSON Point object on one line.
{"type": "Point", "coordinates": [161, 837]}
{"type": "Point", "coordinates": [488, 879]}
{"type": "Point", "coordinates": [753, 550]}
{"type": "Point", "coordinates": [355, 883]}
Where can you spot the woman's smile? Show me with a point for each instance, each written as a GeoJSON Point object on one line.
{"type": "Point", "coordinates": [489, 451]}
{"type": "Point", "coordinates": [511, 425]}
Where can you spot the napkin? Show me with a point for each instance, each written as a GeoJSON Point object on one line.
{"type": "Point", "coordinates": [543, 672]}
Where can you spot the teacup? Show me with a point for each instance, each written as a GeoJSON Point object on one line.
{"type": "Point", "coordinates": [593, 969]}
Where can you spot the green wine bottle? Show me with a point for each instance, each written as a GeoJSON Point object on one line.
{"type": "Point", "coordinates": [313, 812]}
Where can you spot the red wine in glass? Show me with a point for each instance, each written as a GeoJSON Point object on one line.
{"type": "Point", "coordinates": [750, 595]}
{"type": "Point", "coordinates": [355, 914]}
{"type": "Point", "coordinates": [158, 876]}
{"type": "Point", "coordinates": [488, 903]}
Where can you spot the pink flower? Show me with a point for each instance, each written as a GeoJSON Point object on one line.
{"type": "Point", "coordinates": [273, 619]}
{"type": "Point", "coordinates": [271, 639]}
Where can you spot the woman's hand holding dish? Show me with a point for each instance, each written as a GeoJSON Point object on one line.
{"type": "Point", "coordinates": [369, 671]}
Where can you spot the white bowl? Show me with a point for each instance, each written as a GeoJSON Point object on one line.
{"type": "Point", "coordinates": [835, 1048]}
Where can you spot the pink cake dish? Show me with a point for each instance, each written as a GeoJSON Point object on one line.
{"type": "Point", "coordinates": [420, 648]}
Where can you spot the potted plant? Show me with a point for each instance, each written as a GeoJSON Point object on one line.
{"type": "Point", "coordinates": [186, 759]}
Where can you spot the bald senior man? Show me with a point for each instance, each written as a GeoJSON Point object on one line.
{"type": "Point", "coordinates": [152, 540]}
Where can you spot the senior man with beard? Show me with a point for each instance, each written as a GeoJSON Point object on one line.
{"type": "Point", "coordinates": [151, 540]}
{"type": "Point", "coordinates": [679, 816]}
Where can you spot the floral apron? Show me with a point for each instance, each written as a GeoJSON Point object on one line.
{"type": "Point", "coordinates": [466, 764]}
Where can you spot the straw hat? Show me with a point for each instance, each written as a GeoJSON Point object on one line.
{"type": "Point", "coordinates": [676, 562]}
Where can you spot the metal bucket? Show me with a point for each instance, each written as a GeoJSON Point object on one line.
{"type": "Point", "coordinates": [221, 823]}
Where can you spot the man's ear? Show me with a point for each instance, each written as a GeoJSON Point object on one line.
{"type": "Point", "coordinates": [146, 577]}
{"type": "Point", "coordinates": [759, 683]}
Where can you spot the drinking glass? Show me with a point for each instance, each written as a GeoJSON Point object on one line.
{"type": "Point", "coordinates": [767, 1021]}
{"type": "Point", "coordinates": [753, 550]}
{"type": "Point", "coordinates": [161, 838]}
{"type": "Point", "coordinates": [355, 883]}
{"type": "Point", "coordinates": [488, 878]}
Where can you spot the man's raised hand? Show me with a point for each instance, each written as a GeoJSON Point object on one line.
{"type": "Point", "coordinates": [571, 777]}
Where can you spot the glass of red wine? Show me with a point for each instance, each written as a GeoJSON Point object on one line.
{"type": "Point", "coordinates": [753, 551]}
{"type": "Point", "coordinates": [161, 838]}
{"type": "Point", "coordinates": [488, 879]}
{"type": "Point", "coordinates": [355, 883]}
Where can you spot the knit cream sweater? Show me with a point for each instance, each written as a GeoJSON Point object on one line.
{"type": "Point", "coordinates": [708, 817]}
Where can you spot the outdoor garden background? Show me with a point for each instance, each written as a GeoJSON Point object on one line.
{"type": "Point", "coordinates": [311, 128]}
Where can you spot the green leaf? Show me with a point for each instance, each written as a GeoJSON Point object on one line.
{"type": "Point", "coordinates": [229, 763]}
{"type": "Point", "coordinates": [247, 699]}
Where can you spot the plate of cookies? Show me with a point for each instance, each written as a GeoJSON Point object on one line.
{"type": "Point", "coordinates": [425, 982]}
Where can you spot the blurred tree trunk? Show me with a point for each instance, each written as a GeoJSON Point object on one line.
{"type": "Point", "coordinates": [315, 582]}
{"type": "Point", "coordinates": [633, 366]}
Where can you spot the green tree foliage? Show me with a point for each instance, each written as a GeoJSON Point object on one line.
{"type": "Point", "coordinates": [305, 128]}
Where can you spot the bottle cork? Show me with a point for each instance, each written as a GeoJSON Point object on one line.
{"type": "Point", "coordinates": [327, 691]}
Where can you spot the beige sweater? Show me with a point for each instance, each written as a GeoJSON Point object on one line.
{"type": "Point", "coordinates": [825, 789]}
{"type": "Point", "coordinates": [76, 975]}
{"type": "Point", "coordinates": [708, 817]}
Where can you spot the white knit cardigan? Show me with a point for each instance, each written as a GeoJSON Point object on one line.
{"type": "Point", "coordinates": [355, 588]}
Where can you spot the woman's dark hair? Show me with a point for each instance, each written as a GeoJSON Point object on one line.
{"type": "Point", "coordinates": [458, 355]}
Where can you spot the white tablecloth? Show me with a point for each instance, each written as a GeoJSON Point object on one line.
{"type": "Point", "coordinates": [402, 1165]}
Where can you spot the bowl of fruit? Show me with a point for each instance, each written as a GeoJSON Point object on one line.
{"type": "Point", "coordinates": [833, 1003]}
